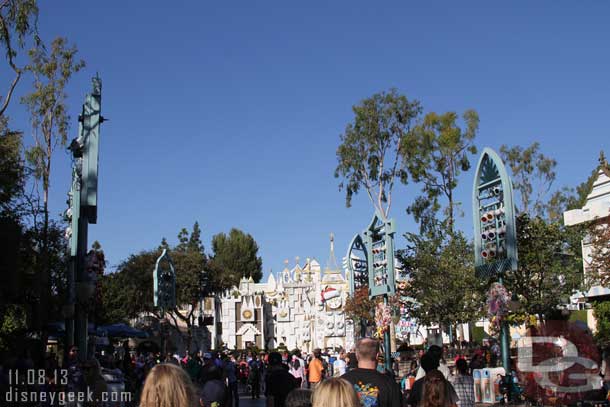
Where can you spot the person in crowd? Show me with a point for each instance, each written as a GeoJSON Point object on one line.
{"type": "Point", "coordinates": [352, 361]}
{"type": "Point", "coordinates": [230, 371]}
{"type": "Point", "coordinates": [214, 392]}
{"type": "Point", "coordinates": [94, 380]}
{"type": "Point", "coordinates": [168, 385]}
{"type": "Point", "coordinates": [296, 370]}
{"type": "Point", "coordinates": [428, 363]}
{"type": "Point", "coordinates": [278, 382]}
{"type": "Point", "coordinates": [436, 352]}
{"type": "Point", "coordinates": [335, 392]}
{"type": "Point", "coordinates": [435, 390]}
{"type": "Point", "coordinates": [299, 398]}
{"type": "Point", "coordinates": [463, 384]}
{"type": "Point", "coordinates": [193, 367]}
{"type": "Point", "coordinates": [207, 367]}
{"type": "Point", "coordinates": [254, 377]}
{"type": "Point", "coordinates": [477, 361]}
{"type": "Point", "coordinates": [316, 369]}
{"type": "Point", "coordinates": [76, 381]}
{"type": "Point", "coordinates": [340, 367]}
{"type": "Point", "coordinates": [373, 388]}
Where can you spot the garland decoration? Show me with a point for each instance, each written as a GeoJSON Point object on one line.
{"type": "Point", "coordinates": [383, 319]}
{"type": "Point", "coordinates": [497, 305]}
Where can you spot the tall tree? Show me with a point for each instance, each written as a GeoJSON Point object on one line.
{"type": "Point", "coordinates": [50, 122]}
{"type": "Point", "coordinates": [129, 292]}
{"type": "Point", "coordinates": [17, 22]}
{"type": "Point", "coordinates": [368, 156]}
{"type": "Point", "coordinates": [550, 265]}
{"type": "Point", "coordinates": [550, 254]}
{"type": "Point", "coordinates": [442, 285]}
{"type": "Point", "coordinates": [235, 256]}
{"type": "Point", "coordinates": [47, 107]}
{"type": "Point", "coordinates": [533, 175]}
{"type": "Point", "coordinates": [436, 151]}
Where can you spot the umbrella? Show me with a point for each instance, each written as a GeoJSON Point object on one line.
{"type": "Point", "coordinates": [123, 331]}
{"type": "Point", "coordinates": [58, 329]}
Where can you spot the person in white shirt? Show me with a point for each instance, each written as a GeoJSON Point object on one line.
{"type": "Point", "coordinates": [340, 367]}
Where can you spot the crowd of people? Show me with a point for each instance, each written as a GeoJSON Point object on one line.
{"type": "Point", "coordinates": [319, 379]}
{"type": "Point", "coordinates": [355, 379]}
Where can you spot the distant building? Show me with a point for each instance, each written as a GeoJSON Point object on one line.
{"type": "Point", "coordinates": [299, 308]}
{"type": "Point", "coordinates": [597, 207]}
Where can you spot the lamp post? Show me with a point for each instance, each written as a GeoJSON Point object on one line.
{"type": "Point", "coordinates": [495, 233]}
{"type": "Point", "coordinates": [83, 211]}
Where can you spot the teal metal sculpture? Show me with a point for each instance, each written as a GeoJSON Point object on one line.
{"type": "Point", "coordinates": [495, 243]}
{"type": "Point", "coordinates": [379, 243]}
{"type": "Point", "coordinates": [81, 212]}
{"type": "Point", "coordinates": [164, 276]}
{"type": "Point", "coordinates": [356, 263]}
{"type": "Point", "coordinates": [495, 237]}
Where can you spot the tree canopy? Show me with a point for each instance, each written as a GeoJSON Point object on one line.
{"type": "Point", "coordinates": [235, 256]}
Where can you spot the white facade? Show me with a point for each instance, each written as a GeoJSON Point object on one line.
{"type": "Point", "coordinates": [597, 207]}
{"type": "Point", "coordinates": [299, 308]}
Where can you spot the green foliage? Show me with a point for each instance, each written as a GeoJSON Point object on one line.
{"type": "Point", "coordinates": [442, 285]}
{"type": "Point", "coordinates": [18, 20]}
{"type": "Point", "coordinates": [436, 152]}
{"type": "Point", "coordinates": [13, 324]}
{"type": "Point", "coordinates": [235, 256]}
{"type": "Point", "coordinates": [550, 265]}
{"type": "Point", "coordinates": [12, 176]}
{"type": "Point", "coordinates": [601, 312]}
{"type": "Point", "coordinates": [369, 150]}
{"type": "Point", "coordinates": [129, 291]}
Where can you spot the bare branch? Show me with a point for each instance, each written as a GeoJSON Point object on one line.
{"type": "Point", "coordinates": [7, 99]}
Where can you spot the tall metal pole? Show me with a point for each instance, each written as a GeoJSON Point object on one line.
{"type": "Point", "coordinates": [387, 342]}
{"type": "Point", "coordinates": [83, 206]}
{"type": "Point", "coordinates": [505, 346]}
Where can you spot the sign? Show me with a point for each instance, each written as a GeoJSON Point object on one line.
{"type": "Point", "coordinates": [379, 242]}
{"type": "Point", "coordinates": [495, 243]}
{"type": "Point", "coordinates": [356, 264]}
{"type": "Point", "coordinates": [89, 127]}
{"type": "Point", "coordinates": [164, 282]}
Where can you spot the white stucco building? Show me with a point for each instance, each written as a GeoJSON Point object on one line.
{"type": "Point", "coordinates": [300, 308]}
{"type": "Point", "coordinates": [597, 207]}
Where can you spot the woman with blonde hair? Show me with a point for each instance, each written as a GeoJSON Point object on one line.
{"type": "Point", "coordinates": [168, 385]}
{"type": "Point", "coordinates": [335, 392]}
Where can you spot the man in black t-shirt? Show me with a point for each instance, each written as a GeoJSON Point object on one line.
{"type": "Point", "coordinates": [374, 389]}
{"type": "Point", "coordinates": [278, 382]}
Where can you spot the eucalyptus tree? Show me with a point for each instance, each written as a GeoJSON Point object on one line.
{"type": "Point", "coordinates": [18, 21]}
{"type": "Point", "coordinates": [436, 152]}
{"type": "Point", "coordinates": [369, 154]}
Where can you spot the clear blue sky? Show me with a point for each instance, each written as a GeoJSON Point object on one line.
{"type": "Point", "coordinates": [229, 113]}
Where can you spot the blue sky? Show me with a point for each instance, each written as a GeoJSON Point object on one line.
{"type": "Point", "coordinates": [229, 113]}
